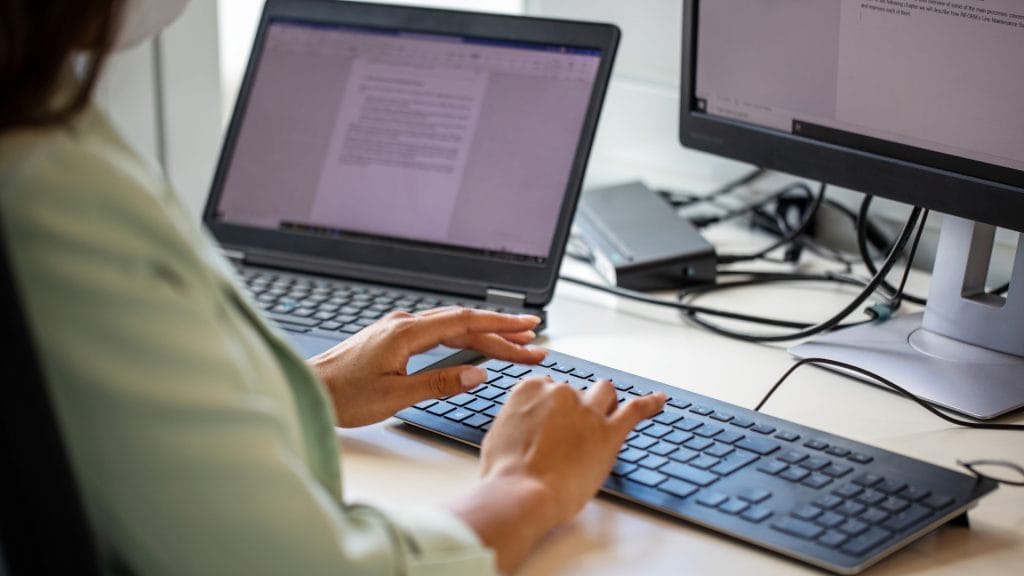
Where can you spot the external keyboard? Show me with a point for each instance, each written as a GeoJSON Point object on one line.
{"type": "Point", "coordinates": [814, 496]}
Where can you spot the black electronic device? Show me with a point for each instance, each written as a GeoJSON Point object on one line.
{"type": "Point", "coordinates": [848, 94]}
{"type": "Point", "coordinates": [638, 241]}
{"type": "Point", "coordinates": [827, 500]}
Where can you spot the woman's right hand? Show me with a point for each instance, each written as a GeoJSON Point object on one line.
{"type": "Point", "coordinates": [545, 457]}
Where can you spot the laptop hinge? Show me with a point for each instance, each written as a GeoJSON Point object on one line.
{"type": "Point", "coordinates": [233, 255]}
{"type": "Point", "coordinates": [505, 298]}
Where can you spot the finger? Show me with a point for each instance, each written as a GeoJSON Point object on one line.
{"type": "Point", "coordinates": [437, 383]}
{"type": "Point", "coordinates": [601, 397]}
{"type": "Point", "coordinates": [495, 346]}
{"type": "Point", "coordinates": [632, 412]}
{"type": "Point", "coordinates": [524, 337]}
{"type": "Point", "coordinates": [426, 331]}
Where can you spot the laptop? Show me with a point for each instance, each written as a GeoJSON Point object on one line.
{"type": "Point", "coordinates": [385, 157]}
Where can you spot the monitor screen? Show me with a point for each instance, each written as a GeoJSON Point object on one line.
{"type": "Point", "coordinates": [914, 100]}
{"type": "Point", "coordinates": [431, 139]}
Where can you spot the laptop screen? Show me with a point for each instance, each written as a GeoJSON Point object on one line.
{"type": "Point", "coordinates": [459, 142]}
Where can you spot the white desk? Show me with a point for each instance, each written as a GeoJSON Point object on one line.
{"type": "Point", "coordinates": [392, 465]}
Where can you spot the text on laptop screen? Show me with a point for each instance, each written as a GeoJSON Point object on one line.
{"type": "Point", "coordinates": [442, 140]}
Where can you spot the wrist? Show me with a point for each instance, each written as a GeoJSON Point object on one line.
{"type": "Point", "coordinates": [510, 513]}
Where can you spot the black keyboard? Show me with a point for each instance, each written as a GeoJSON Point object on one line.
{"type": "Point", "coordinates": [337, 308]}
{"type": "Point", "coordinates": [814, 496]}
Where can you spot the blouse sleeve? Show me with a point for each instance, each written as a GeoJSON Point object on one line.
{"type": "Point", "coordinates": [184, 432]}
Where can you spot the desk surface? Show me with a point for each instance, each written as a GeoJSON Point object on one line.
{"type": "Point", "coordinates": [393, 465]}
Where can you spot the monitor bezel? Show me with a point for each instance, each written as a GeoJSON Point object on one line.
{"type": "Point", "coordinates": [392, 260]}
{"type": "Point", "coordinates": [992, 195]}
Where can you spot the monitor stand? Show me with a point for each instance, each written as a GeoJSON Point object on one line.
{"type": "Point", "coordinates": [966, 351]}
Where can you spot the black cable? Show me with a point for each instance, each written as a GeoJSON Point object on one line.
{"type": "Point", "coordinates": [869, 262]}
{"type": "Point", "coordinates": [972, 466]}
{"type": "Point", "coordinates": [834, 321]}
{"type": "Point", "coordinates": [886, 382]}
{"type": "Point", "coordinates": [787, 239]}
{"type": "Point", "coordinates": [714, 194]}
{"type": "Point", "coordinates": [731, 213]}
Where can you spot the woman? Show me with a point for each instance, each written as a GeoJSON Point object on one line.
{"type": "Point", "coordinates": [201, 443]}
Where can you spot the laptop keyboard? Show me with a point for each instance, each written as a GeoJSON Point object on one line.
{"type": "Point", "coordinates": [338, 308]}
{"type": "Point", "coordinates": [817, 497]}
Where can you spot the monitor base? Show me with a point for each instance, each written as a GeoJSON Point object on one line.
{"type": "Point", "coordinates": [968, 379]}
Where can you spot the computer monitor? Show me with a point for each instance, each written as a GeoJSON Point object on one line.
{"type": "Point", "coordinates": [918, 101]}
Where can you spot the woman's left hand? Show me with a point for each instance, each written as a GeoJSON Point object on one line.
{"type": "Point", "coordinates": [366, 374]}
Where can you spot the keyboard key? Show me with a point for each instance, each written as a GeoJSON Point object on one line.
{"type": "Point", "coordinates": [704, 462]}
{"type": "Point", "coordinates": [517, 371]}
{"type": "Point", "coordinates": [894, 505]}
{"type": "Point", "coordinates": [907, 518]}
{"type": "Point", "coordinates": [582, 374]}
{"type": "Point", "coordinates": [496, 365]}
{"type": "Point", "coordinates": [830, 519]}
{"type": "Point", "coordinates": [689, 474]}
{"type": "Point", "coordinates": [491, 393]}
{"type": "Point", "coordinates": [668, 417]}
{"type": "Point", "coordinates": [828, 501]}
{"type": "Point", "coordinates": [684, 455]}
{"type": "Point", "coordinates": [621, 386]}
{"type": "Point", "coordinates": [711, 499]}
{"type": "Point", "coordinates": [643, 425]}
{"type": "Point", "coordinates": [807, 512]}
{"type": "Point", "coordinates": [643, 442]}
{"type": "Point", "coordinates": [461, 399]}
{"type": "Point", "coordinates": [850, 508]}
{"type": "Point", "coordinates": [562, 368]}
{"type": "Point", "coordinates": [677, 437]}
{"type": "Point", "coordinates": [440, 409]}
{"type": "Point", "coordinates": [837, 451]}
{"type": "Point", "coordinates": [663, 448]}
{"type": "Point", "coordinates": [476, 420]}
{"type": "Point", "coordinates": [653, 461]}
{"type": "Point", "coordinates": [815, 463]}
{"type": "Point", "coordinates": [678, 403]}
{"type": "Point", "coordinates": [853, 527]}
{"type": "Point", "coordinates": [874, 516]}
{"type": "Point", "coordinates": [702, 410]}
{"type": "Point", "coordinates": [832, 539]}
{"type": "Point", "coordinates": [622, 468]}
{"type": "Point", "coordinates": [479, 405]}
{"type": "Point", "coordinates": [657, 430]}
{"type": "Point", "coordinates": [647, 477]}
{"type": "Point", "coordinates": [848, 491]}
{"type": "Point", "coordinates": [721, 416]}
{"type": "Point", "coordinates": [733, 506]}
{"type": "Point", "coordinates": [915, 494]}
{"type": "Point", "coordinates": [741, 422]}
{"type": "Point", "coordinates": [632, 455]}
{"type": "Point", "coordinates": [688, 424]}
{"type": "Point", "coordinates": [788, 436]}
{"type": "Point", "coordinates": [425, 404]}
{"type": "Point", "coordinates": [678, 488]}
{"type": "Point", "coordinates": [798, 528]}
{"type": "Point", "coordinates": [817, 480]}
{"type": "Point", "coordinates": [763, 429]}
{"type": "Point", "coordinates": [707, 431]}
{"type": "Point", "coordinates": [871, 497]}
{"type": "Point", "coordinates": [891, 486]}
{"type": "Point", "coordinates": [865, 542]}
{"type": "Point", "coordinates": [733, 462]}
{"type": "Point", "coordinates": [794, 474]}
{"type": "Point", "coordinates": [458, 414]}
{"type": "Point", "coordinates": [816, 444]}
{"type": "Point", "coordinates": [729, 437]}
{"type": "Point", "coordinates": [792, 456]}
{"type": "Point", "coordinates": [868, 479]}
{"type": "Point", "coordinates": [699, 443]}
{"type": "Point", "coordinates": [504, 382]}
{"type": "Point", "coordinates": [719, 450]}
{"type": "Point", "coordinates": [762, 446]}
{"type": "Point", "coordinates": [756, 514]}
{"type": "Point", "coordinates": [837, 470]}
{"type": "Point", "coordinates": [754, 495]}
{"type": "Point", "coordinates": [773, 467]}
{"type": "Point", "coordinates": [859, 458]}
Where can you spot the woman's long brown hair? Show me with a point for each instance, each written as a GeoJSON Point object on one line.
{"type": "Point", "coordinates": [38, 39]}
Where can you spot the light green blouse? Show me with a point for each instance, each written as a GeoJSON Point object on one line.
{"type": "Point", "coordinates": [201, 442]}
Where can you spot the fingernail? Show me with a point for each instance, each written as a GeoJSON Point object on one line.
{"type": "Point", "coordinates": [535, 319]}
{"type": "Point", "coordinates": [532, 334]}
{"type": "Point", "coordinates": [472, 377]}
